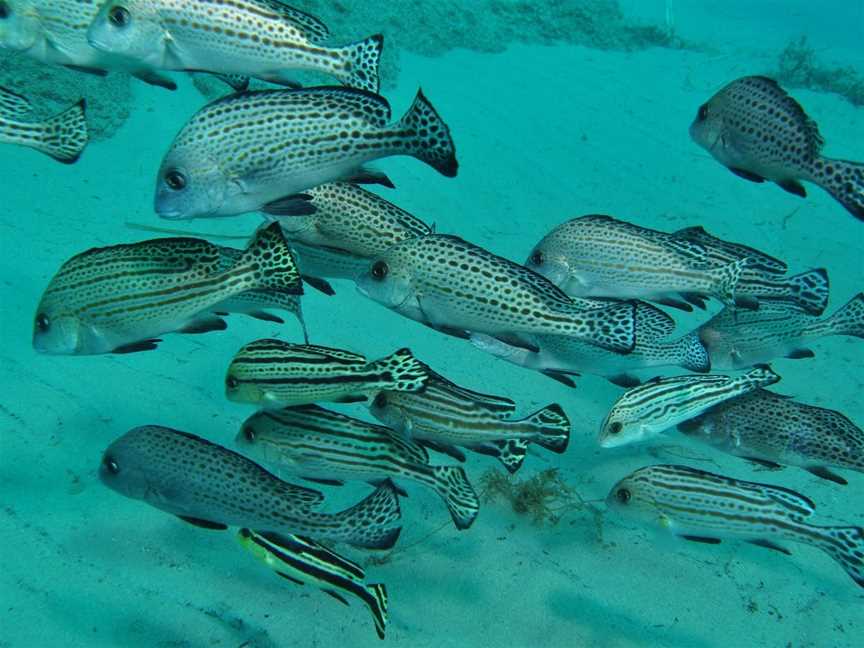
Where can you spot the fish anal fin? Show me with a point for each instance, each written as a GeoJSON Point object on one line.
{"type": "Point", "coordinates": [747, 175]}
{"type": "Point", "coordinates": [88, 70]}
{"type": "Point", "coordinates": [443, 448]}
{"type": "Point", "coordinates": [800, 354]}
{"type": "Point", "coordinates": [560, 377]}
{"type": "Point", "coordinates": [793, 187]}
{"type": "Point", "coordinates": [825, 473]}
{"type": "Point", "coordinates": [702, 539]}
{"type": "Point", "coordinates": [675, 303]}
{"type": "Point", "coordinates": [770, 545]}
{"type": "Point", "coordinates": [264, 316]}
{"type": "Point", "coordinates": [204, 524]}
{"type": "Point", "coordinates": [204, 325]}
{"type": "Point", "coordinates": [135, 347]}
{"type": "Point", "coordinates": [152, 78]}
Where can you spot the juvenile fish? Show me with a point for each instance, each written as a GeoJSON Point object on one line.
{"type": "Point", "coordinates": [457, 287]}
{"type": "Point", "coordinates": [306, 562]}
{"type": "Point", "coordinates": [776, 431]}
{"type": "Point", "coordinates": [317, 444]}
{"type": "Point", "coordinates": [63, 137]}
{"type": "Point", "coordinates": [704, 507]}
{"type": "Point", "coordinates": [756, 130]}
{"type": "Point", "coordinates": [736, 339]}
{"type": "Point", "coordinates": [213, 487]}
{"type": "Point", "coordinates": [118, 299]}
{"type": "Point", "coordinates": [558, 356]}
{"type": "Point", "coordinates": [645, 411]}
{"type": "Point", "coordinates": [244, 151]}
{"type": "Point", "coordinates": [260, 38]}
{"type": "Point", "coordinates": [273, 374]}
{"type": "Point", "coordinates": [445, 415]}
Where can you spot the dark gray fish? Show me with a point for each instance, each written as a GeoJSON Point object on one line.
{"type": "Point", "coordinates": [63, 137]}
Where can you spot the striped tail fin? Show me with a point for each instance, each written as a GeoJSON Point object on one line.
{"type": "Point", "coordinates": [553, 428]}
{"type": "Point", "coordinates": [846, 546]}
{"type": "Point", "coordinates": [848, 319]}
{"type": "Point", "coordinates": [64, 136]}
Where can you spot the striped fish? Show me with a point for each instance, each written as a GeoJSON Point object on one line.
{"type": "Point", "coordinates": [317, 444]}
{"type": "Point", "coordinates": [445, 415]}
{"type": "Point", "coordinates": [776, 431]}
{"type": "Point", "coordinates": [273, 374]}
{"type": "Point", "coordinates": [118, 299]}
{"type": "Point", "coordinates": [63, 137]}
{"type": "Point", "coordinates": [306, 562]}
{"type": "Point", "coordinates": [457, 287]}
{"type": "Point", "coordinates": [213, 487]}
{"type": "Point", "coordinates": [243, 152]}
{"type": "Point", "coordinates": [704, 507]}
{"type": "Point", "coordinates": [736, 339]}
{"type": "Point", "coordinates": [645, 411]}
{"type": "Point", "coordinates": [260, 38]}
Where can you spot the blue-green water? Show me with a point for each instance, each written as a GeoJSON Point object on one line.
{"type": "Point", "coordinates": [544, 132]}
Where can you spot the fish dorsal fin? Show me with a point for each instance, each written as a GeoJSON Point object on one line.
{"type": "Point", "coordinates": [304, 350]}
{"type": "Point", "coordinates": [791, 500]}
{"type": "Point", "coordinates": [338, 354]}
{"type": "Point", "coordinates": [13, 105]}
{"type": "Point", "coordinates": [758, 259]}
{"type": "Point", "coordinates": [374, 107]}
{"type": "Point", "coordinates": [694, 251]}
{"type": "Point", "coordinates": [815, 141]}
{"type": "Point", "coordinates": [652, 323]}
{"type": "Point", "coordinates": [311, 27]}
{"type": "Point", "coordinates": [498, 404]}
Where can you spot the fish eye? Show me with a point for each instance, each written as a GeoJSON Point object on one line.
{"type": "Point", "coordinates": [379, 270]}
{"type": "Point", "coordinates": [249, 433]}
{"type": "Point", "coordinates": [4, 10]}
{"type": "Point", "coordinates": [119, 16]}
{"type": "Point", "coordinates": [622, 495]}
{"type": "Point", "coordinates": [231, 382]}
{"type": "Point", "coordinates": [175, 180]}
{"type": "Point", "coordinates": [380, 400]}
{"type": "Point", "coordinates": [42, 322]}
{"type": "Point", "coordinates": [537, 258]}
{"type": "Point", "coordinates": [702, 115]}
{"type": "Point", "coordinates": [616, 427]}
{"type": "Point", "coordinates": [110, 464]}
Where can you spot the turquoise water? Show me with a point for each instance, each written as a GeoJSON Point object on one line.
{"type": "Point", "coordinates": [544, 132]}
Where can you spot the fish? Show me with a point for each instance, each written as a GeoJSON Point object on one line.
{"type": "Point", "coordinates": [306, 562]}
{"type": "Point", "coordinates": [643, 412]}
{"type": "Point", "coordinates": [63, 137]}
{"type": "Point", "coordinates": [776, 431]}
{"type": "Point", "coordinates": [336, 228]}
{"type": "Point", "coordinates": [244, 151]}
{"type": "Point", "coordinates": [456, 287]}
{"type": "Point", "coordinates": [267, 39]}
{"type": "Point", "coordinates": [704, 507]}
{"type": "Point", "coordinates": [212, 487]}
{"type": "Point", "coordinates": [446, 415]}
{"type": "Point", "coordinates": [317, 444]}
{"type": "Point", "coordinates": [559, 356]}
{"type": "Point", "coordinates": [119, 299]}
{"type": "Point", "coordinates": [55, 32]}
{"type": "Point", "coordinates": [753, 127]}
{"type": "Point", "coordinates": [274, 374]}
{"type": "Point", "coordinates": [736, 339]}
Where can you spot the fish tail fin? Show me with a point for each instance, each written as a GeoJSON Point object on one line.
{"type": "Point", "coordinates": [362, 60]}
{"type": "Point", "coordinates": [612, 327]}
{"type": "Point", "coordinates": [553, 428]}
{"type": "Point", "coordinates": [693, 354]}
{"type": "Point", "coordinates": [849, 318]}
{"type": "Point", "coordinates": [810, 290]}
{"type": "Point", "coordinates": [846, 546]}
{"type": "Point", "coordinates": [451, 483]}
{"type": "Point", "coordinates": [64, 136]}
{"type": "Point", "coordinates": [401, 372]}
{"type": "Point", "coordinates": [377, 602]}
{"type": "Point", "coordinates": [511, 453]}
{"type": "Point", "coordinates": [271, 262]}
{"type": "Point", "coordinates": [372, 523]}
{"type": "Point", "coordinates": [433, 143]}
{"type": "Point", "coordinates": [727, 280]}
{"type": "Point", "coordinates": [844, 180]}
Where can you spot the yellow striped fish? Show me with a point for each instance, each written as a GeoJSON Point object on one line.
{"type": "Point", "coordinates": [704, 507]}
{"type": "Point", "coordinates": [63, 137]}
{"type": "Point", "coordinates": [118, 299]}
{"type": "Point", "coordinates": [645, 411]}
{"type": "Point", "coordinates": [273, 374]}
{"type": "Point", "coordinates": [317, 444]}
{"type": "Point", "coordinates": [306, 562]}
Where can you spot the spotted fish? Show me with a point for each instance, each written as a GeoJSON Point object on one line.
{"type": "Point", "coordinates": [261, 38]}
{"type": "Point", "coordinates": [63, 137]}
{"type": "Point", "coordinates": [317, 444]}
{"type": "Point", "coordinates": [304, 561]}
{"type": "Point", "coordinates": [118, 299]}
{"type": "Point", "coordinates": [736, 339]}
{"type": "Point", "coordinates": [213, 487]}
{"type": "Point", "coordinates": [756, 130]}
{"type": "Point", "coordinates": [645, 411]}
{"type": "Point", "coordinates": [457, 287]}
{"type": "Point", "coordinates": [273, 374]}
{"type": "Point", "coordinates": [776, 431]}
{"type": "Point", "coordinates": [242, 152]}
{"type": "Point", "coordinates": [704, 507]}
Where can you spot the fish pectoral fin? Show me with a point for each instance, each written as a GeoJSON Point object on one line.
{"type": "Point", "coordinates": [325, 482]}
{"type": "Point", "coordinates": [800, 354]}
{"type": "Point", "coordinates": [365, 175]}
{"type": "Point", "coordinates": [264, 316]}
{"type": "Point", "coordinates": [824, 473]}
{"type": "Point", "coordinates": [290, 578]}
{"type": "Point", "coordinates": [793, 187]}
{"type": "Point", "coordinates": [204, 325]}
{"type": "Point", "coordinates": [135, 347]}
{"type": "Point", "coordinates": [747, 175]}
{"type": "Point", "coordinates": [562, 378]}
{"type": "Point", "coordinates": [443, 448]}
{"type": "Point", "coordinates": [204, 524]}
{"type": "Point", "coordinates": [624, 380]}
{"type": "Point", "coordinates": [770, 545]}
{"type": "Point", "coordinates": [675, 303]}
{"type": "Point", "coordinates": [351, 399]}
{"type": "Point", "coordinates": [336, 595]}
{"type": "Point", "coordinates": [702, 539]}
{"type": "Point", "coordinates": [152, 78]}
{"type": "Point", "coordinates": [770, 465]}
{"type": "Point", "coordinates": [319, 284]}
{"type": "Point", "coordinates": [299, 204]}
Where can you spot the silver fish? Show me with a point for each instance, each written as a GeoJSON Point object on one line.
{"type": "Point", "coordinates": [274, 374]}
{"type": "Point", "coordinates": [260, 38]}
{"type": "Point", "coordinates": [755, 129]}
{"type": "Point", "coordinates": [445, 415]}
{"type": "Point", "coordinates": [704, 507]}
{"type": "Point", "coordinates": [214, 487]}
{"type": "Point", "coordinates": [558, 356]}
{"type": "Point", "coordinates": [55, 32]}
{"type": "Point", "coordinates": [306, 562]}
{"type": "Point", "coordinates": [63, 137]}
{"type": "Point", "coordinates": [457, 287]}
{"type": "Point", "coordinates": [647, 410]}
{"type": "Point", "coordinates": [736, 339]}
{"type": "Point", "coordinates": [118, 299]}
{"type": "Point", "coordinates": [317, 444]}
{"type": "Point", "coordinates": [242, 152]}
{"type": "Point", "coordinates": [776, 431]}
